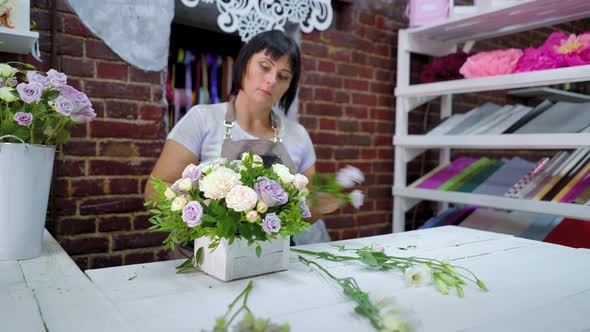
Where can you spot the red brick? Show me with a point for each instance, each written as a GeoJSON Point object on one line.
{"type": "Point", "coordinates": [313, 49]}
{"type": "Point", "coordinates": [327, 124]}
{"type": "Point", "coordinates": [98, 89]}
{"type": "Point", "coordinates": [366, 72]}
{"type": "Point", "coordinates": [63, 6]}
{"type": "Point", "coordinates": [70, 167]}
{"type": "Point", "coordinates": [366, 18]}
{"type": "Point", "coordinates": [346, 69]}
{"type": "Point", "coordinates": [157, 94]}
{"type": "Point", "coordinates": [378, 35]}
{"type": "Point", "coordinates": [346, 39]}
{"type": "Point", "coordinates": [138, 240]}
{"type": "Point", "coordinates": [326, 66]}
{"type": "Point", "coordinates": [384, 204]}
{"type": "Point", "coordinates": [338, 221]}
{"type": "Point", "coordinates": [322, 79]}
{"type": "Point", "coordinates": [152, 112]}
{"type": "Point", "coordinates": [149, 149]}
{"type": "Point", "coordinates": [119, 149]}
{"type": "Point", "coordinates": [80, 148]}
{"type": "Point", "coordinates": [305, 93]}
{"type": "Point", "coordinates": [382, 140]}
{"type": "Point", "coordinates": [139, 257]}
{"type": "Point", "coordinates": [346, 153]}
{"type": "Point", "coordinates": [380, 62]}
{"type": "Point", "coordinates": [324, 94]}
{"type": "Point", "coordinates": [382, 115]}
{"type": "Point", "coordinates": [40, 4]}
{"type": "Point", "coordinates": [340, 139]}
{"type": "Point", "coordinates": [385, 153]}
{"type": "Point", "coordinates": [364, 99]}
{"type": "Point", "coordinates": [368, 154]}
{"type": "Point", "coordinates": [141, 221]}
{"type": "Point", "coordinates": [114, 224]}
{"type": "Point", "coordinates": [356, 84]}
{"type": "Point", "coordinates": [379, 192]}
{"type": "Point", "coordinates": [122, 110]}
{"type": "Point", "coordinates": [75, 225]}
{"type": "Point", "coordinates": [324, 152]}
{"type": "Point", "coordinates": [125, 129]}
{"type": "Point", "coordinates": [99, 108]}
{"type": "Point", "coordinates": [112, 167]}
{"type": "Point", "coordinates": [67, 45]}
{"type": "Point", "coordinates": [357, 112]}
{"type": "Point", "coordinates": [123, 186]}
{"type": "Point", "coordinates": [364, 232]}
{"type": "Point", "coordinates": [99, 50]}
{"type": "Point", "coordinates": [350, 234]}
{"type": "Point", "coordinates": [384, 75]}
{"type": "Point", "coordinates": [342, 97]}
{"type": "Point", "coordinates": [310, 123]}
{"type": "Point", "coordinates": [111, 205]}
{"type": "Point", "coordinates": [87, 187]}
{"type": "Point", "coordinates": [142, 76]}
{"type": "Point", "coordinates": [85, 244]}
{"type": "Point", "coordinates": [323, 109]}
{"type": "Point", "coordinates": [325, 167]}
{"type": "Point", "coordinates": [102, 261]}
{"type": "Point", "coordinates": [383, 50]}
{"type": "Point", "coordinates": [368, 126]}
{"type": "Point", "coordinates": [350, 126]}
{"type": "Point", "coordinates": [308, 64]}
{"type": "Point", "coordinates": [387, 24]}
{"type": "Point", "coordinates": [77, 67]}
{"type": "Point", "coordinates": [114, 71]}
{"type": "Point", "coordinates": [72, 25]}
{"type": "Point", "coordinates": [81, 262]}
{"type": "Point", "coordinates": [343, 55]}
{"type": "Point", "coordinates": [386, 166]}
{"type": "Point", "coordinates": [383, 88]}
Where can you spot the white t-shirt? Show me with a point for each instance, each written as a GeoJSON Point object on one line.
{"type": "Point", "coordinates": [201, 131]}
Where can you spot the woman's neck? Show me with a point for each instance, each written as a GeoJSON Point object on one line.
{"type": "Point", "coordinates": [253, 119]}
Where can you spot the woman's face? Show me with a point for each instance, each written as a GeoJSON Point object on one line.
{"type": "Point", "coordinates": [266, 80]}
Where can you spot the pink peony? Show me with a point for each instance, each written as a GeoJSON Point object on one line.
{"type": "Point", "coordinates": [492, 63]}
{"type": "Point", "coordinates": [537, 59]}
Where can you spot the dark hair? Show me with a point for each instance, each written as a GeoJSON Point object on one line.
{"type": "Point", "coordinates": [276, 44]}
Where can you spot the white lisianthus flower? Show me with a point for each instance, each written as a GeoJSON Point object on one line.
{"type": "Point", "coordinates": [6, 94]}
{"type": "Point", "coordinates": [178, 203]}
{"type": "Point", "coordinates": [253, 216]}
{"type": "Point", "coordinates": [219, 182]}
{"type": "Point", "coordinates": [7, 71]}
{"type": "Point", "coordinates": [419, 275]}
{"type": "Point", "coordinates": [169, 194]}
{"type": "Point", "coordinates": [241, 198]}
{"type": "Point", "coordinates": [357, 198]}
{"type": "Point", "coordinates": [185, 184]}
{"type": "Point", "coordinates": [391, 322]}
{"type": "Point", "coordinates": [304, 192]}
{"type": "Point", "coordinates": [261, 206]}
{"type": "Point", "coordinates": [377, 248]}
{"type": "Point", "coordinates": [349, 176]}
{"type": "Point", "coordinates": [256, 159]}
{"type": "Point", "coordinates": [300, 181]}
{"type": "Point", "coordinates": [283, 173]}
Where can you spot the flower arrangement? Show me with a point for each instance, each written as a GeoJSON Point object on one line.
{"type": "Point", "coordinates": [491, 63]}
{"type": "Point", "coordinates": [559, 50]}
{"type": "Point", "coordinates": [40, 108]}
{"type": "Point", "coordinates": [235, 200]}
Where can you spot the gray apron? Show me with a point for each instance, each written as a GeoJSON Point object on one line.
{"type": "Point", "coordinates": [271, 151]}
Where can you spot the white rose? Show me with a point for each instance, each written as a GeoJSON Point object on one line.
{"type": "Point", "coordinates": [283, 173]}
{"type": "Point", "coordinates": [219, 182]}
{"type": "Point", "coordinates": [252, 216]}
{"type": "Point", "coordinates": [300, 181]}
{"type": "Point", "coordinates": [419, 275]}
{"type": "Point", "coordinates": [7, 71]}
{"type": "Point", "coordinates": [178, 203]}
{"type": "Point", "coordinates": [185, 185]}
{"type": "Point", "coordinates": [6, 94]}
{"type": "Point", "coordinates": [349, 176]}
{"type": "Point", "coordinates": [169, 193]}
{"type": "Point", "coordinates": [241, 198]}
{"type": "Point", "coordinates": [357, 198]}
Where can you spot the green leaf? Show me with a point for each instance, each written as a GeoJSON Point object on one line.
{"type": "Point", "coordinates": [258, 251]}
{"type": "Point", "coordinates": [52, 94]}
{"type": "Point", "coordinates": [200, 256]}
{"type": "Point", "coordinates": [368, 258]}
{"type": "Point", "coordinates": [62, 137]}
{"type": "Point", "coordinates": [132, 277]}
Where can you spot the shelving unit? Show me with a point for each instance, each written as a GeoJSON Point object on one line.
{"type": "Point", "coordinates": [444, 38]}
{"type": "Point", "coordinates": [15, 41]}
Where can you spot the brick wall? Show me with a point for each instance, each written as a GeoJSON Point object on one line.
{"type": "Point", "coordinates": [346, 103]}
{"type": "Point", "coordinates": [100, 174]}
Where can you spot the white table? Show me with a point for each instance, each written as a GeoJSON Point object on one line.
{"type": "Point", "coordinates": [534, 286]}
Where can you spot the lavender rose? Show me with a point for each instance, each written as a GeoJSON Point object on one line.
{"type": "Point", "coordinates": [192, 172]}
{"type": "Point", "coordinates": [30, 92]}
{"type": "Point", "coordinates": [192, 213]}
{"type": "Point", "coordinates": [64, 105]}
{"type": "Point", "coordinates": [271, 223]}
{"type": "Point", "coordinates": [56, 78]}
{"type": "Point", "coordinates": [34, 76]}
{"type": "Point", "coordinates": [83, 115]}
{"type": "Point", "coordinates": [23, 118]}
{"type": "Point", "coordinates": [304, 209]}
{"type": "Point", "coordinates": [271, 192]}
{"type": "Point", "coordinates": [74, 95]}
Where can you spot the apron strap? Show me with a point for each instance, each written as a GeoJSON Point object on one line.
{"type": "Point", "coordinates": [230, 120]}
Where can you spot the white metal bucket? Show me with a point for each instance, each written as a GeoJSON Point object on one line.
{"type": "Point", "coordinates": [25, 177]}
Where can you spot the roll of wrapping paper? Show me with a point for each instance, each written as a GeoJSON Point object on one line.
{"type": "Point", "coordinates": [522, 183]}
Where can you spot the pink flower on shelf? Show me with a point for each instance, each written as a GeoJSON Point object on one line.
{"type": "Point", "coordinates": [492, 63]}
{"type": "Point", "coordinates": [537, 59]}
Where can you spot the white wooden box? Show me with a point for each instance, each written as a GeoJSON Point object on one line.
{"type": "Point", "coordinates": [238, 260]}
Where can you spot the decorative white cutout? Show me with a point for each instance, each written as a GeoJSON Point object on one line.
{"type": "Point", "coordinates": [250, 17]}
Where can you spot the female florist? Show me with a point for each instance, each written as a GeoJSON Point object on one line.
{"type": "Point", "coordinates": [294, 165]}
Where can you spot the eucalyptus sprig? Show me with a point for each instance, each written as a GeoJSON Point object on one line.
{"type": "Point", "coordinates": [417, 269]}
{"type": "Point", "coordinates": [249, 323]}
{"type": "Point", "coordinates": [364, 306]}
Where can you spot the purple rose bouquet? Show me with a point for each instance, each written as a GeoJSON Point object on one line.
{"type": "Point", "coordinates": [232, 200]}
{"type": "Point", "coordinates": [40, 108]}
